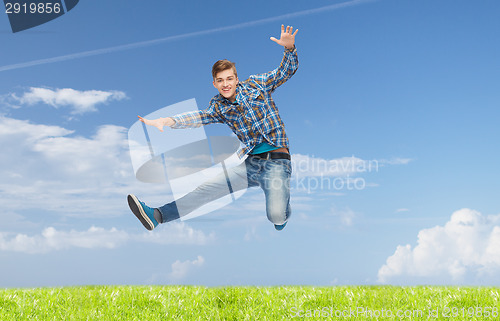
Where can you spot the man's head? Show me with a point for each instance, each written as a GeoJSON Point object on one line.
{"type": "Point", "coordinates": [225, 78]}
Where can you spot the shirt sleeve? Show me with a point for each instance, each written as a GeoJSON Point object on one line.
{"type": "Point", "coordinates": [273, 79]}
{"type": "Point", "coordinates": [193, 119]}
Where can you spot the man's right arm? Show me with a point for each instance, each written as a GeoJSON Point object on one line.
{"type": "Point", "coordinates": [190, 119]}
{"type": "Point", "coordinates": [159, 122]}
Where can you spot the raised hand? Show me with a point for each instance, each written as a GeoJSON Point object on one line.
{"type": "Point", "coordinates": [287, 38]}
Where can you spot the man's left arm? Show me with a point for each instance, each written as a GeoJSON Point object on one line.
{"type": "Point", "coordinates": [285, 71]}
{"type": "Point", "coordinates": [273, 79]}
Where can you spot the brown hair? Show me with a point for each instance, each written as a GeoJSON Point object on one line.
{"type": "Point", "coordinates": [222, 65]}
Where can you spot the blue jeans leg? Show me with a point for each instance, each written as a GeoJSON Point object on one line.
{"type": "Point", "coordinates": [272, 175]}
{"type": "Point", "coordinates": [210, 190]}
{"type": "Point", "coordinates": [274, 179]}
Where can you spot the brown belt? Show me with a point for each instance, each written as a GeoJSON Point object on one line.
{"type": "Point", "coordinates": [280, 153]}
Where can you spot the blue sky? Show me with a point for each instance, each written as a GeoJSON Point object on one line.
{"type": "Point", "coordinates": [410, 86]}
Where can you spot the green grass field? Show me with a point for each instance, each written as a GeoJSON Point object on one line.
{"type": "Point", "coordinates": [250, 303]}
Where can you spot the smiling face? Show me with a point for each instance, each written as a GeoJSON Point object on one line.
{"type": "Point", "coordinates": [225, 81]}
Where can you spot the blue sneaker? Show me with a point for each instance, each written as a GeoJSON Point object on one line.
{"type": "Point", "coordinates": [279, 227]}
{"type": "Point", "coordinates": [144, 213]}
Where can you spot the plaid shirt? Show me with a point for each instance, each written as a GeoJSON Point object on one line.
{"type": "Point", "coordinates": [254, 117]}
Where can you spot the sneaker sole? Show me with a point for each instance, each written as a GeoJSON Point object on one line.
{"type": "Point", "coordinates": [280, 227]}
{"type": "Point", "coordinates": [136, 208]}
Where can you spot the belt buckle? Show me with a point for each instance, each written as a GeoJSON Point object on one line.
{"type": "Point", "coordinates": [268, 156]}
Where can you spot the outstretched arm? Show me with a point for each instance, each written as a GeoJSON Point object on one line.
{"type": "Point", "coordinates": [190, 119]}
{"type": "Point", "coordinates": [159, 122]}
{"type": "Point", "coordinates": [287, 38]}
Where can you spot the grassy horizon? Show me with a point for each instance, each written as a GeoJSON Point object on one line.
{"type": "Point", "coordinates": [251, 303]}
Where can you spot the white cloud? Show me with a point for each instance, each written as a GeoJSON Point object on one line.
{"type": "Point", "coordinates": [80, 102]}
{"type": "Point", "coordinates": [467, 246]}
{"type": "Point", "coordinates": [14, 129]}
{"type": "Point", "coordinates": [346, 216]}
{"type": "Point", "coordinates": [51, 239]}
{"type": "Point", "coordinates": [8, 101]}
{"type": "Point", "coordinates": [47, 168]}
{"type": "Point", "coordinates": [181, 269]}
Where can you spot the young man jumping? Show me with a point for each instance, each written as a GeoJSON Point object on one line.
{"type": "Point", "coordinates": [249, 110]}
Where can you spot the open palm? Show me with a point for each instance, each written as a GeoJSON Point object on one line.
{"type": "Point", "coordinates": [287, 38]}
